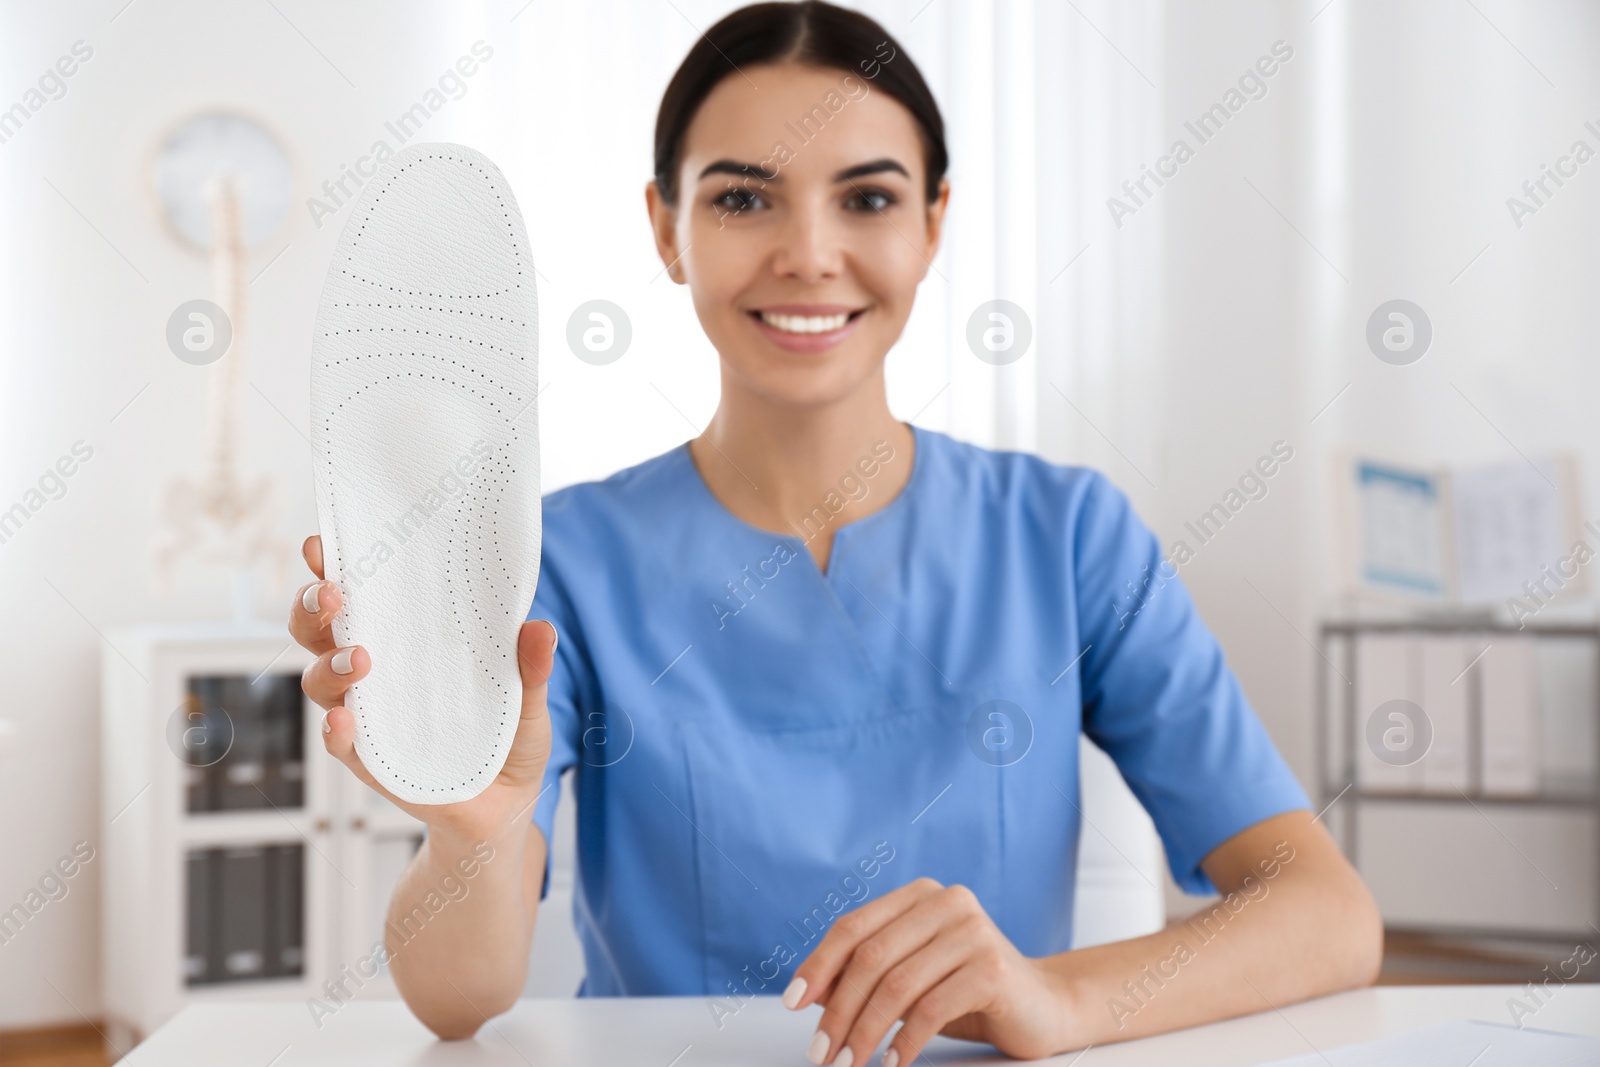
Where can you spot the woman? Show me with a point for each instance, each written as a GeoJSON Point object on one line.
{"type": "Point", "coordinates": [822, 674]}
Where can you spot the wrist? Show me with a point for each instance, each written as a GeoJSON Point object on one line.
{"type": "Point", "coordinates": [501, 812]}
{"type": "Point", "coordinates": [452, 837]}
{"type": "Point", "coordinates": [1073, 992]}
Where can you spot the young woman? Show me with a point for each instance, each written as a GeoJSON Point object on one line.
{"type": "Point", "coordinates": [822, 674]}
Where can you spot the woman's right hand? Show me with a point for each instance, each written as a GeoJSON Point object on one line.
{"type": "Point", "coordinates": [510, 797]}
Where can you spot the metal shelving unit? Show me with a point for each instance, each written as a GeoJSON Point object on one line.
{"type": "Point", "coordinates": [1336, 769]}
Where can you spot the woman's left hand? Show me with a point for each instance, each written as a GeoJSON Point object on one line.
{"type": "Point", "coordinates": [929, 954]}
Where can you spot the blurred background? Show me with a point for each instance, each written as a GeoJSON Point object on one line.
{"type": "Point", "coordinates": [1371, 267]}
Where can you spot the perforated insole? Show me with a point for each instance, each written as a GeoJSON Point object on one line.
{"type": "Point", "coordinates": [425, 431]}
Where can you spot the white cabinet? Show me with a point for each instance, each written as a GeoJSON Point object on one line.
{"type": "Point", "coordinates": [240, 861]}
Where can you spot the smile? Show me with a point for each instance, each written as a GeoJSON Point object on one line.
{"type": "Point", "coordinates": [807, 329]}
{"type": "Point", "coordinates": [806, 324]}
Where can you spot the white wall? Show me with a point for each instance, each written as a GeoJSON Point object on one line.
{"type": "Point", "coordinates": [82, 320]}
{"type": "Point", "coordinates": [1390, 142]}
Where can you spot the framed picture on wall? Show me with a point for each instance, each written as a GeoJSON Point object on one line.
{"type": "Point", "coordinates": [1479, 535]}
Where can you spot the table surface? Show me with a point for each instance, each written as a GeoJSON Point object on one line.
{"type": "Point", "coordinates": [683, 1032]}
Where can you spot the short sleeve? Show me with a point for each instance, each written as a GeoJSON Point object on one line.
{"type": "Point", "coordinates": [1159, 697]}
{"type": "Point", "coordinates": [550, 602]}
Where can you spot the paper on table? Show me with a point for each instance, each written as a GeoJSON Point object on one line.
{"type": "Point", "coordinates": [1458, 1043]}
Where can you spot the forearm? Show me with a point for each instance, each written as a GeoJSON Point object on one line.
{"type": "Point", "coordinates": [1310, 930]}
{"type": "Point", "coordinates": [458, 943]}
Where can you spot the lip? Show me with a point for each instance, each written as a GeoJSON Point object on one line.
{"type": "Point", "coordinates": [807, 342]}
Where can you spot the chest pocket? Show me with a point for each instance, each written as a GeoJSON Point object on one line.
{"type": "Point", "coordinates": [795, 827]}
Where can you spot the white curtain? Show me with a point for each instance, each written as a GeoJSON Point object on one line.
{"type": "Point", "coordinates": [1049, 107]}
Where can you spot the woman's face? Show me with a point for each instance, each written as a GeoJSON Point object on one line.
{"type": "Point", "coordinates": [801, 228]}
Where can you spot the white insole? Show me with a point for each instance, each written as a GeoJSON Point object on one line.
{"type": "Point", "coordinates": [425, 434]}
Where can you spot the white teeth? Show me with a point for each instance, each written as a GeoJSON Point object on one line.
{"type": "Point", "coordinates": [805, 323]}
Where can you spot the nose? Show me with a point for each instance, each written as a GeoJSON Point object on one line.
{"type": "Point", "coordinates": [809, 245]}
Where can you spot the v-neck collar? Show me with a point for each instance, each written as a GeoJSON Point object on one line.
{"type": "Point", "coordinates": [842, 535]}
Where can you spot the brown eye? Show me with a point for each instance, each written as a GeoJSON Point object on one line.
{"type": "Point", "coordinates": [736, 201]}
{"type": "Point", "coordinates": [874, 199]}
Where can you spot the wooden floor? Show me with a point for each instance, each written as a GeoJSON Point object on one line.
{"type": "Point", "coordinates": [1409, 959]}
{"type": "Point", "coordinates": [56, 1046]}
{"type": "Point", "coordinates": [1418, 959]}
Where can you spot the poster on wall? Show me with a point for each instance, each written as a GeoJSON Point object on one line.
{"type": "Point", "coordinates": [1469, 535]}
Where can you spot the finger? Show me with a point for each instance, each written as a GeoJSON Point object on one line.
{"type": "Point", "coordinates": [339, 738]}
{"type": "Point", "coordinates": [332, 673]}
{"type": "Point", "coordinates": [311, 615]}
{"type": "Point", "coordinates": [902, 986]}
{"type": "Point", "coordinates": [530, 748]}
{"type": "Point", "coordinates": [311, 552]}
{"type": "Point", "coordinates": [536, 657]}
{"type": "Point", "coordinates": [813, 979]}
{"type": "Point", "coordinates": [961, 993]}
{"type": "Point", "coordinates": [853, 1000]}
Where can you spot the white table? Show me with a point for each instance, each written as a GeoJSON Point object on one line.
{"type": "Point", "coordinates": [681, 1032]}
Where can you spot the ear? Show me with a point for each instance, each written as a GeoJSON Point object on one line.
{"type": "Point", "coordinates": [936, 211]}
{"type": "Point", "coordinates": [664, 226]}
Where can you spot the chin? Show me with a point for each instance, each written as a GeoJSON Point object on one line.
{"type": "Point", "coordinates": [803, 383]}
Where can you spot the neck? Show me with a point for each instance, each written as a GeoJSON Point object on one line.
{"type": "Point", "coordinates": [773, 465]}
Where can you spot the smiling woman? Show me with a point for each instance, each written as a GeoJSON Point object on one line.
{"type": "Point", "coordinates": [757, 153]}
{"type": "Point", "coordinates": [799, 195]}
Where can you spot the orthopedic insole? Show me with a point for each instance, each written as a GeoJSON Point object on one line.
{"type": "Point", "coordinates": [424, 375]}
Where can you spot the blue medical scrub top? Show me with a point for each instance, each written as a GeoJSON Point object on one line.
{"type": "Point", "coordinates": [758, 746]}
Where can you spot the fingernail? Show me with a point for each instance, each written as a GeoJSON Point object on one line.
{"type": "Point", "coordinates": [818, 1049]}
{"type": "Point", "coordinates": [309, 599]}
{"type": "Point", "coordinates": [327, 728]}
{"type": "Point", "coordinates": [341, 661]}
{"type": "Point", "coordinates": [891, 1057]}
{"type": "Point", "coordinates": [792, 995]}
{"type": "Point", "coordinates": [846, 1058]}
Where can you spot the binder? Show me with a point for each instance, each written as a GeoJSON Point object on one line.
{"type": "Point", "coordinates": [199, 946]}
{"type": "Point", "coordinates": [206, 735]}
{"type": "Point", "coordinates": [1385, 670]}
{"type": "Point", "coordinates": [283, 721]}
{"type": "Point", "coordinates": [241, 902]}
{"type": "Point", "coordinates": [286, 906]}
{"type": "Point", "coordinates": [1445, 689]}
{"type": "Point", "coordinates": [243, 771]}
{"type": "Point", "coordinates": [1511, 732]}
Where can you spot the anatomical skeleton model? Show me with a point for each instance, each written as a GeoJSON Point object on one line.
{"type": "Point", "coordinates": [218, 518]}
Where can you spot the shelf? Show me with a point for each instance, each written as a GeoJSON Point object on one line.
{"type": "Point", "coordinates": [164, 691]}
{"type": "Point", "coordinates": [244, 914]}
{"type": "Point", "coordinates": [246, 827]}
{"type": "Point", "coordinates": [1464, 625]}
{"type": "Point", "coordinates": [1555, 800]}
{"type": "Point", "coordinates": [1499, 706]}
{"type": "Point", "coordinates": [243, 739]}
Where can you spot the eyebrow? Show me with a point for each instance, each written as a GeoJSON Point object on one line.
{"type": "Point", "coordinates": [860, 170]}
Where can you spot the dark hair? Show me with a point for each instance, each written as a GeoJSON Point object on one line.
{"type": "Point", "coordinates": [813, 33]}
